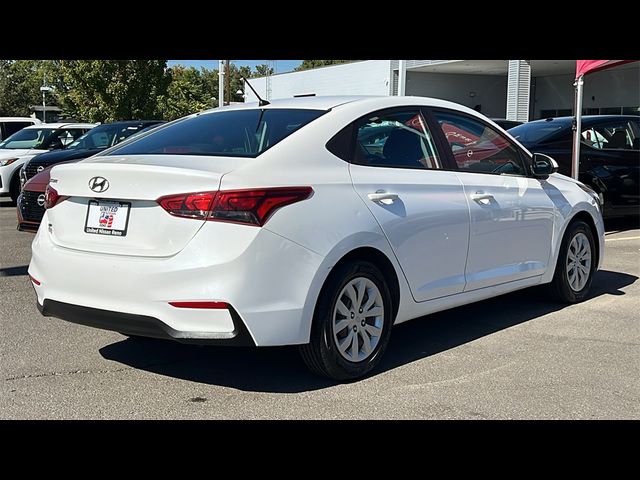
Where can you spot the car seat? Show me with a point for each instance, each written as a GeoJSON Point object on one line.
{"type": "Point", "coordinates": [618, 140]}
{"type": "Point", "coordinates": [403, 149]}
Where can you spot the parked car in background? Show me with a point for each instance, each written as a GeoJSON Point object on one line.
{"type": "Point", "coordinates": [31, 200]}
{"type": "Point", "coordinates": [10, 125]}
{"type": "Point", "coordinates": [30, 141]}
{"type": "Point", "coordinates": [506, 124]}
{"type": "Point", "coordinates": [609, 155]}
{"type": "Point", "coordinates": [92, 142]}
{"type": "Point", "coordinates": [293, 223]}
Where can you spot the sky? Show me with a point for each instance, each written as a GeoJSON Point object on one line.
{"type": "Point", "coordinates": [282, 65]}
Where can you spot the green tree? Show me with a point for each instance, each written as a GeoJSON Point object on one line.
{"type": "Point", "coordinates": [263, 70]}
{"type": "Point", "coordinates": [20, 82]}
{"type": "Point", "coordinates": [109, 90]}
{"type": "Point", "coordinates": [188, 92]}
{"type": "Point", "coordinates": [307, 64]}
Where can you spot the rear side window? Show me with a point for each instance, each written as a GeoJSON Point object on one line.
{"type": "Point", "coordinates": [612, 136]}
{"type": "Point", "coordinates": [396, 139]}
{"type": "Point", "coordinates": [236, 133]}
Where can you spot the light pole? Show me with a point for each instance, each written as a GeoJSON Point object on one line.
{"type": "Point", "coordinates": [44, 90]}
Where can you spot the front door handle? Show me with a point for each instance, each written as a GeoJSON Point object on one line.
{"type": "Point", "coordinates": [482, 198]}
{"type": "Point", "coordinates": [383, 197]}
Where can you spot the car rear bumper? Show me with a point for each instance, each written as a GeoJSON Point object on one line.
{"type": "Point", "coordinates": [265, 277]}
{"type": "Point", "coordinates": [144, 326]}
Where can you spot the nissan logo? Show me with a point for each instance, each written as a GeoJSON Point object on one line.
{"type": "Point", "coordinates": [39, 169]}
{"type": "Point", "coordinates": [99, 184]}
{"type": "Point", "coordinates": [41, 200]}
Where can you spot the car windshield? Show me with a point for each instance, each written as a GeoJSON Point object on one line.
{"type": "Point", "coordinates": [104, 136]}
{"type": "Point", "coordinates": [28, 138]}
{"type": "Point", "coordinates": [534, 132]}
{"type": "Point", "coordinates": [235, 133]}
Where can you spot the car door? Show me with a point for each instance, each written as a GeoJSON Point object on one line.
{"type": "Point", "coordinates": [397, 171]}
{"type": "Point", "coordinates": [511, 214]}
{"type": "Point", "coordinates": [610, 158]}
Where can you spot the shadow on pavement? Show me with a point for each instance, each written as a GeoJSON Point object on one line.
{"type": "Point", "coordinates": [623, 224]}
{"type": "Point", "coordinates": [282, 370]}
{"type": "Point", "coordinates": [14, 271]}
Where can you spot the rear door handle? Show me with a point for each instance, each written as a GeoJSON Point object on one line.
{"type": "Point", "coordinates": [482, 197]}
{"type": "Point", "coordinates": [383, 197]}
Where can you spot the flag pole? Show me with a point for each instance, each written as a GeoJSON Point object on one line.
{"type": "Point", "coordinates": [577, 126]}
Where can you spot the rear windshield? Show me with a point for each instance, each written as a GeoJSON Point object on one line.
{"type": "Point", "coordinates": [533, 133]}
{"type": "Point", "coordinates": [236, 133]}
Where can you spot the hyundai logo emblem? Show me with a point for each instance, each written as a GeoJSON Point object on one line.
{"type": "Point", "coordinates": [39, 169]}
{"type": "Point", "coordinates": [99, 184]}
{"type": "Point", "coordinates": [41, 200]}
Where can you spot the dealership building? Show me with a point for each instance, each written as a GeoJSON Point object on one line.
{"type": "Point", "coordinates": [514, 89]}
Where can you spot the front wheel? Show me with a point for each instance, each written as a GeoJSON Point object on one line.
{"type": "Point", "coordinates": [576, 264]}
{"type": "Point", "coordinates": [352, 323]}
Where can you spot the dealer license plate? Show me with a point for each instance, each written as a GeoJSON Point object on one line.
{"type": "Point", "coordinates": [107, 218]}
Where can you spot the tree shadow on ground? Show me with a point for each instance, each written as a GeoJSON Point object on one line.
{"type": "Point", "coordinates": [281, 369]}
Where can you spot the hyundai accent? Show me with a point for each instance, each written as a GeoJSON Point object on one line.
{"type": "Point", "coordinates": [318, 221]}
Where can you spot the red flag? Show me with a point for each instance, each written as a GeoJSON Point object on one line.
{"type": "Point", "coordinates": [587, 66]}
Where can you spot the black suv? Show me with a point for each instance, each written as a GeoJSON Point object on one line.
{"type": "Point", "coordinates": [92, 142]}
{"type": "Point", "coordinates": [609, 155]}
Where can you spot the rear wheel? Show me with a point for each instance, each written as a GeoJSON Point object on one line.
{"type": "Point", "coordinates": [352, 323]}
{"type": "Point", "coordinates": [576, 264]}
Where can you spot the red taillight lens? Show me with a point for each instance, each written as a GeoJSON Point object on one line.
{"type": "Point", "coordinates": [251, 207]}
{"type": "Point", "coordinates": [189, 205]}
{"type": "Point", "coordinates": [52, 198]}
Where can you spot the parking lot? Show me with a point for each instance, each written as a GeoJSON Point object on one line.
{"type": "Point", "coordinates": [516, 356]}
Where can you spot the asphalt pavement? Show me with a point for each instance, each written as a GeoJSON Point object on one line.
{"type": "Point", "coordinates": [516, 356]}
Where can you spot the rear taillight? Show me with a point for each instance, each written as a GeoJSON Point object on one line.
{"type": "Point", "coordinates": [52, 198]}
{"type": "Point", "coordinates": [250, 207]}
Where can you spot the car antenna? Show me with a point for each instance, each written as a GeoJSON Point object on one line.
{"type": "Point", "coordinates": [261, 101]}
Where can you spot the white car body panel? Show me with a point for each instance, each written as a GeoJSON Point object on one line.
{"type": "Point", "coordinates": [273, 275]}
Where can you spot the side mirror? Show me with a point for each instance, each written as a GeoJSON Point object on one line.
{"type": "Point", "coordinates": [543, 165]}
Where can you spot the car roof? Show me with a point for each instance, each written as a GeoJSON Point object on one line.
{"type": "Point", "coordinates": [130, 122]}
{"type": "Point", "coordinates": [55, 126]}
{"type": "Point", "coordinates": [330, 102]}
{"type": "Point", "coordinates": [20, 119]}
{"type": "Point", "coordinates": [586, 119]}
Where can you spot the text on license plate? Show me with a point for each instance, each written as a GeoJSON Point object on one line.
{"type": "Point", "coordinates": [107, 218]}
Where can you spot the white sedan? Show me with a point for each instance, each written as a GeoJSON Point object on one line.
{"type": "Point", "coordinates": [318, 221]}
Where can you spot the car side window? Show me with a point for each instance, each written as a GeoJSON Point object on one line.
{"type": "Point", "coordinates": [477, 147]}
{"type": "Point", "coordinates": [612, 136]}
{"type": "Point", "coordinates": [396, 139]}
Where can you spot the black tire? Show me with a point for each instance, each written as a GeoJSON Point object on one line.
{"type": "Point", "coordinates": [560, 288]}
{"type": "Point", "coordinates": [321, 355]}
{"type": "Point", "coordinates": [14, 189]}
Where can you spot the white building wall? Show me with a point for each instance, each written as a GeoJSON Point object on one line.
{"type": "Point", "coordinates": [618, 87]}
{"type": "Point", "coordinates": [490, 90]}
{"type": "Point", "coordinates": [370, 77]}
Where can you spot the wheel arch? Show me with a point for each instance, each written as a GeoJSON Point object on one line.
{"type": "Point", "coordinates": [587, 217]}
{"type": "Point", "coordinates": [367, 252]}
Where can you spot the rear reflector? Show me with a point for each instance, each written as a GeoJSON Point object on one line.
{"type": "Point", "coordinates": [37, 282]}
{"type": "Point", "coordinates": [211, 305]}
{"type": "Point", "coordinates": [249, 207]}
